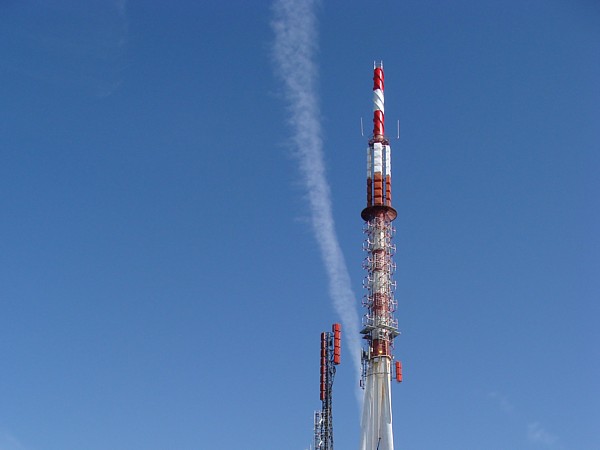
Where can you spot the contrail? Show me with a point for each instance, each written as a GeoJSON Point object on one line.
{"type": "Point", "coordinates": [295, 27]}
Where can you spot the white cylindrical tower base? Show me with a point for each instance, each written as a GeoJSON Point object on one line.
{"type": "Point", "coordinates": [376, 424]}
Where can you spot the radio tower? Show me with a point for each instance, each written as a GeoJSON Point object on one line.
{"type": "Point", "coordinates": [330, 357]}
{"type": "Point", "coordinates": [380, 327]}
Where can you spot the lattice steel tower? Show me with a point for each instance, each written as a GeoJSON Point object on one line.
{"type": "Point", "coordinates": [380, 328]}
{"type": "Point", "coordinates": [330, 357]}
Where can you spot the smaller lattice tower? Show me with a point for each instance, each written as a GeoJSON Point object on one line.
{"type": "Point", "coordinates": [330, 357]}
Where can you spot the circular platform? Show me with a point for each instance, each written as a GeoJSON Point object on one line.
{"type": "Point", "coordinates": [370, 212]}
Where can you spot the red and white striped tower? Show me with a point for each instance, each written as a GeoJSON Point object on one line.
{"type": "Point", "coordinates": [379, 325]}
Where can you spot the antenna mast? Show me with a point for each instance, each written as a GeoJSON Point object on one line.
{"type": "Point", "coordinates": [380, 328]}
{"type": "Point", "coordinates": [330, 357]}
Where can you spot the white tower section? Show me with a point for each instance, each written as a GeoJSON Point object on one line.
{"type": "Point", "coordinates": [376, 423]}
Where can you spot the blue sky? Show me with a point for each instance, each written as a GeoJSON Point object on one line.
{"type": "Point", "coordinates": [161, 286]}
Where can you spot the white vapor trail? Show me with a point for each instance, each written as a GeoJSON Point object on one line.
{"type": "Point", "coordinates": [295, 27]}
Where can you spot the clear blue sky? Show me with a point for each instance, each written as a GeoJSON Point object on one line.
{"type": "Point", "coordinates": [160, 284]}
